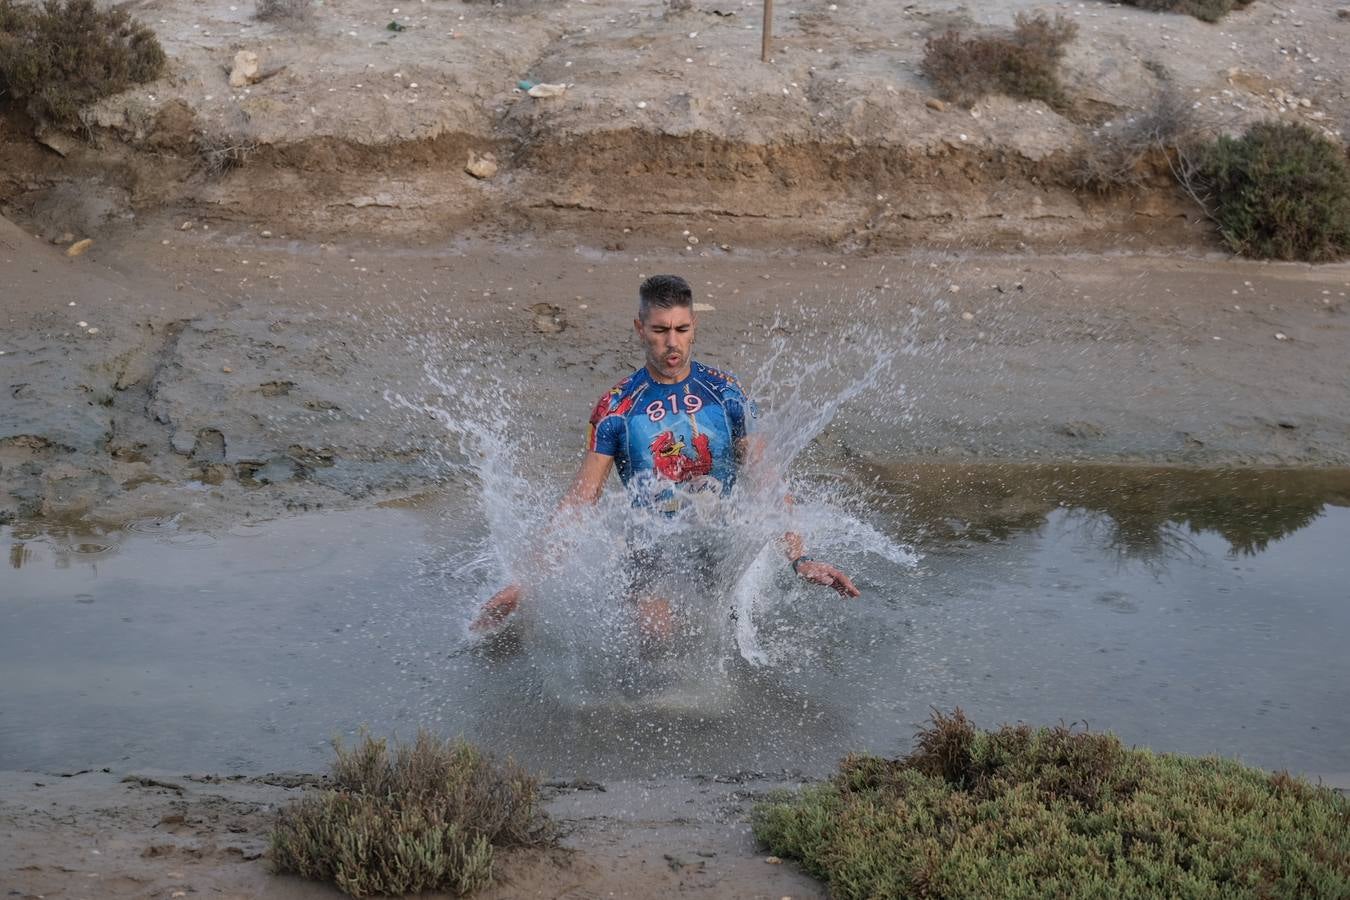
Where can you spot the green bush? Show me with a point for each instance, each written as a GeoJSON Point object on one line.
{"type": "Point", "coordinates": [1023, 63]}
{"type": "Point", "coordinates": [1208, 10]}
{"type": "Point", "coordinates": [1280, 191]}
{"type": "Point", "coordinates": [426, 817]}
{"type": "Point", "coordinates": [1052, 812]}
{"type": "Point", "coordinates": [66, 54]}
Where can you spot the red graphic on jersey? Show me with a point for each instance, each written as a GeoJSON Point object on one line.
{"type": "Point", "coordinates": [670, 461]}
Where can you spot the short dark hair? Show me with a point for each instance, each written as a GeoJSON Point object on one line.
{"type": "Point", "coordinates": [664, 292]}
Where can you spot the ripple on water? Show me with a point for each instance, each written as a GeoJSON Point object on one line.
{"type": "Point", "coordinates": [188, 540]}
{"type": "Point", "coordinates": [154, 525]}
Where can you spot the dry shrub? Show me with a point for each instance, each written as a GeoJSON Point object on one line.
{"type": "Point", "coordinates": [1122, 154]}
{"type": "Point", "coordinates": [1281, 191]}
{"type": "Point", "coordinates": [283, 10]}
{"type": "Point", "coordinates": [1208, 10]}
{"type": "Point", "coordinates": [221, 153]}
{"type": "Point", "coordinates": [1039, 812]}
{"type": "Point", "coordinates": [66, 54]}
{"type": "Point", "coordinates": [425, 817]}
{"type": "Point", "coordinates": [1023, 63]}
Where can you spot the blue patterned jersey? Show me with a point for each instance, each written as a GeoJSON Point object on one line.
{"type": "Point", "coordinates": [669, 438]}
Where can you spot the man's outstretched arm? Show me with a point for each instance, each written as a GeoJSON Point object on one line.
{"type": "Point", "coordinates": [752, 453]}
{"type": "Point", "coordinates": [586, 489]}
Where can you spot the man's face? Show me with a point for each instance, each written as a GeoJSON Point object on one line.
{"type": "Point", "coordinates": [668, 339]}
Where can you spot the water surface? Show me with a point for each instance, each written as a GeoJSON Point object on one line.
{"type": "Point", "coordinates": [1191, 612]}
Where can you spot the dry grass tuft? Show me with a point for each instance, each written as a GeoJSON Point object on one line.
{"type": "Point", "coordinates": [1208, 10]}
{"type": "Point", "coordinates": [425, 817]}
{"type": "Point", "coordinates": [1022, 64]}
{"type": "Point", "coordinates": [292, 11]}
{"type": "Point", "coordinates": [66, 54]}
{"type": "Point", "coordinates": [1125, 154]}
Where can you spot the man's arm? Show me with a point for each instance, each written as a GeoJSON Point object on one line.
{"type": "Point", "coordinates": [750, 450]}
{"type": "Point", "coordinates": [586, 489]}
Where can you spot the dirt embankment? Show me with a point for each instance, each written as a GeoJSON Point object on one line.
{"type": "Point", "coordinates": [358, 128]}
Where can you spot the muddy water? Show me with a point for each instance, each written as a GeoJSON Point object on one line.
{"type": "Point", "coordinates": [1193, 612]}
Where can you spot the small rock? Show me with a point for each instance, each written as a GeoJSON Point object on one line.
{"type": "Point", "coordinates": [79, 247]}
{"type": "Point", "coordinates": [56, 141]}
{"type": "Point", "coordinates": [481, 167]}
{"type": "Point", "coordinates": [704, 307]}
{"type": "Point", "coordinates": [245, 71]}
{"type": "Point", "coordinates": [1343, 12]}
{"type": "Point", "coordinates": [226, 369]}
{"type": "Point", "coordinates": [954, 289]}
{"type": "Point", "coordinates": [693, 239]}
{"type": "Point", "coordinates": [1080, 429]}
{"type": "Point", "coordinates": [1281, 336]}
{"type": "Point", "coordinates": [968, 316]}
{"type": "Point", "coordinates": [266, 234]}
{"type": "Point", "coordinates": [182, 442]}
{"type": "Point", "coordinates": [186, 226]}
{"type": "Point", "coordinates": [548, 319]}
{"type": "Point", "coordinates": [543, 91]}
{"type": "Point", "coordinates": [773, 860]}
{"type": "Point", "coordinates": [934, 103]}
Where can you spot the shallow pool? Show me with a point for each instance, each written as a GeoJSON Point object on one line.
{"type": "Point", "coordinates": [1198, 612]}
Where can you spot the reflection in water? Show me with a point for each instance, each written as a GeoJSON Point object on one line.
{"type": "Point", "coordinates": [1142, 513]}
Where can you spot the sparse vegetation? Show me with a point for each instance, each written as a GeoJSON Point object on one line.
{"type": "Point", "coordinates": [1023, 812]}
{"type": "Point", "coordinates": [1280, 191]}
{"type": "Point", "coordinates": [1208, 10]}
{"type": "Point", "coordinates": [221, 153]}
{"type": "Point", "coordinates": [65, 54]}
{"type": "Point", "coordinates": [425, 817]}
{"type": "Point", "coordinates": [283, 10]}
{"type": "Point", "coordinates": [1022, 64]}
{"type": "Point", "coordinates": [1123, 154]}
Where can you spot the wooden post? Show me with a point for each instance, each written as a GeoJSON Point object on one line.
{"type": "Point", "coordinates": [768, 31]}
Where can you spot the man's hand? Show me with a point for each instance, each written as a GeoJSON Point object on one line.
{"type": "Point", "coordinates": [499, 606]}
{"type": "Point", "coordinates": [826, 574]}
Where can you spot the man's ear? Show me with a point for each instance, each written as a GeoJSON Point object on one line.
{"type": "Point", "coordinates": [637, 326]}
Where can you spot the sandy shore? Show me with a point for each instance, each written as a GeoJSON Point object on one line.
{"type": "Point", "coordinates": [107, 834]}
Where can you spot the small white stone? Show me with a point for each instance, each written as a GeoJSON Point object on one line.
{"type": "Point", "coordinates": [642, 104]}
{"type": "Point", "coordinates": [968, 316]}
{"type": "Point", "coordinates": [82, 324]}
{"type": "Point", "coordinates": [1281, 336]}
{"type": "Point", "coordinates": [93, 331]}
{"type": "Point", "coordinates": [954, 289]}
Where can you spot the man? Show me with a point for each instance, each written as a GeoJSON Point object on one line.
{"type": "Point", "coordinates": [675, 429]}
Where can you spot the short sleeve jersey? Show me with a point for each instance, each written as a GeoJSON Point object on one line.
{"type": "Point", "coordinates": [670, 438]}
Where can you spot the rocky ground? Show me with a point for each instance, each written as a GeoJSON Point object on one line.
{"type": "Point", "coordinates": [668, 116]}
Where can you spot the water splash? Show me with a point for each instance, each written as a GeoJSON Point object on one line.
{"type": "Point", "coordinates": [719, 563]}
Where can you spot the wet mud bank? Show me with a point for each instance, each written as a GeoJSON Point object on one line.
{"type": "Point", "coordinates": [226, 373]}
